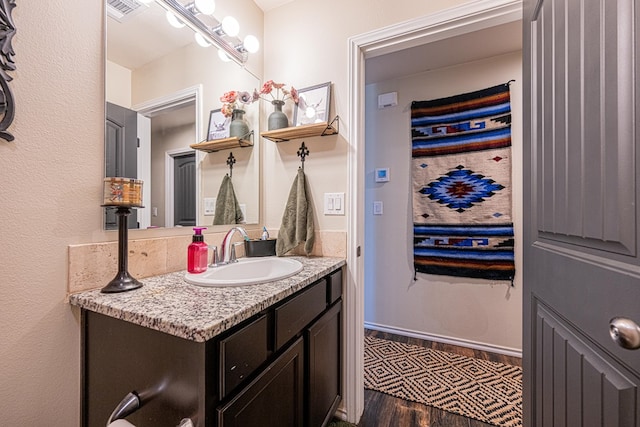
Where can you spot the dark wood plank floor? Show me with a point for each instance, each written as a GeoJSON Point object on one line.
{"type": "Point", "coordinates": [382, 410]}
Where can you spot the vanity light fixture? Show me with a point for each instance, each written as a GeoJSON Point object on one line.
{"type": "Point", "coordinates": [223, 35]}
{"type": "Point", "coordinates": [174, 21]}
{"type": "Point", "coordinates": [201, 40]}
{"type": "Point", "coordinates": [206, 7]}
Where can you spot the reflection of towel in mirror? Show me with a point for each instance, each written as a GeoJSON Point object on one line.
{"type": "Point", "coordinates": [297, 220]}
{"type": "Point", "coordinates": [227, 206]}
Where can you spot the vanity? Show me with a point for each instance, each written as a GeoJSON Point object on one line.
{"type": "Point", "coordinates": [264, 355]}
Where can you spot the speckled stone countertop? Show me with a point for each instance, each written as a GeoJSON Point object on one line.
{"type": "Point", "coordinates": [169, 304]}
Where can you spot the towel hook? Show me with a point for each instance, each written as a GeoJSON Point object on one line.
{"type": "Point", "coordinates": [303, 152]}
{"type": "Point", "coordinates": [230, 162]}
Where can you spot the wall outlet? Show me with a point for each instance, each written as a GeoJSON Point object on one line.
{"type": "Point", "coordinates": [334, 203]}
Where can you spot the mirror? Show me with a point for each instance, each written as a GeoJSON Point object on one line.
{"type": "Point", "coordinates": [161, 85]}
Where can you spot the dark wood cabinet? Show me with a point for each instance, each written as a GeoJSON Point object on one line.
{"type": "Point", "coordinates": [281, 367]}
{"type": "Point", "coordinates": [274, 399]}
{"type": "Point", "coordinates": [324, 351]}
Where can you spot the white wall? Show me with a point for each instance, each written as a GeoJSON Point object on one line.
{"type": "Point", "coordinates": [118, 85]}
{"type": "Point", "coordinates": [468, 310]}
{"type": "Point", "coordinates": [50, 196]}
{"type": "Point", "coordinates": [306, 44]}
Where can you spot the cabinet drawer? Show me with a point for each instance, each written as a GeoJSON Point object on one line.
{"type": "Point", "coordinates": [241, 353]}
{"type": "Point", "coordinates": [334, 286]}
{"type": "Point", "coordinates": [295, 314]}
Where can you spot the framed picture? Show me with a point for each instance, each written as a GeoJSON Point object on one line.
{"type": "Point", "coordinates": [313, 105]}
{"type": "Point", "coordinates": [218, 125]}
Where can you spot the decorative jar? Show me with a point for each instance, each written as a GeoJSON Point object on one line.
{"type": "Point", "coordinates": [277, 119]}
{"type": "Point", "coordinates": [238, 126]}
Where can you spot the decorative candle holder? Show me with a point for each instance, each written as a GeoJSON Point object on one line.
{"type": "Point", "coordinates": [123, 193]}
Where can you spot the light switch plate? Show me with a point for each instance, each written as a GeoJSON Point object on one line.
{"type": "Point", "coordinates": [378, 208]}
{"type": "Point", "coordinates": [209, 206]}
{"type": "Point", "coordinates": [334, 203]}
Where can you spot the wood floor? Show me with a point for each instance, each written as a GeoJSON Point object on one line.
{"type": "Point", "coordinates": [382, 410]}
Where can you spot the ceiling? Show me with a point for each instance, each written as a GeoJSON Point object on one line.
{"type": "Point", "coordinates": [267, 5]}
{"type": "Point", "coordinates": [456, 50]}
{"type": "Point", "coordinates": [144, 37]}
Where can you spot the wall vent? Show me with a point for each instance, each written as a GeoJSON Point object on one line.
{"type": "Point", "coordinates": [121, 10]}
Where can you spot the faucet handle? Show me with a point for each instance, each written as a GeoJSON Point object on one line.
{"type": "Point", "coordinates": [214, 258]}
{"type": "Point", "coordinates": [233, 257]}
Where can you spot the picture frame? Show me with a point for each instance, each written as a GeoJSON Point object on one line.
{"type": "Point", "coordinates": [218, 125]}
{"type": "Point", "coordinates": [313, 105]}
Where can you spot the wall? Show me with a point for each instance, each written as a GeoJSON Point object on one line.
{"type": "Point", "coordinates": [118, 85]}
{"type": "Point", "coordinates": [468, 310]}
{"type": "Point", "coordinates": [50, 190]}
{"type": "Point", "coordinates": [306, 44]}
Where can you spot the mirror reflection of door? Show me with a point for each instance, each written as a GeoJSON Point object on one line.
{"type": "Point", "coordinates": [121, 145]}
{"type": "Point", "coordinates": [184, 190]}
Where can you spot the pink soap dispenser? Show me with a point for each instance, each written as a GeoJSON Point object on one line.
{"type": "Point", "coordinates": [197, 253]}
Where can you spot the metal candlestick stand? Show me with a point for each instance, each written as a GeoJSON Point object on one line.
{"type": "Point", "coordinates": [123, 280]}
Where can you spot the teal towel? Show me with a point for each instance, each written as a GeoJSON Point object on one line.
{"type": "Point", "coordinates": [227, 207]}
{"type": "Point", "coordinates": [297, 220]}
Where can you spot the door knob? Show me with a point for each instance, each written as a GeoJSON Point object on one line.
{"type": "Point", "coordinates": [625, 332]}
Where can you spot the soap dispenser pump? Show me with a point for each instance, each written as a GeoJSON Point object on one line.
{"type": "Point", "coordinates": [197, 252]}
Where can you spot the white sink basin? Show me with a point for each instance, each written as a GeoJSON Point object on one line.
{"type": "Point", "coordinates": [247, 271]}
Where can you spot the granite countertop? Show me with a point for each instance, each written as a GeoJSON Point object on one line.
{"type": "Point", "coordinates": [169, 304]}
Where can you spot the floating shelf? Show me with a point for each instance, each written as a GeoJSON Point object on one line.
{"type": "Point", "coordinates": [222, 144]}
{"type": "Point", "coordinates": [303, 131]}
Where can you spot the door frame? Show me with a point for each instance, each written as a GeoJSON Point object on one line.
{"type": "Point", "coordinates": [160, 105]}
{"type": "Point", "coordinates": [448, 23]}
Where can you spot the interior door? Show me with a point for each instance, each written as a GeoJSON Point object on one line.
{"type": "Point", "coordinates": [581, 262]}
{"type": "Point", "coordinates": [184, 187]}
{"type": "Point", "coordinates": [120, 154]}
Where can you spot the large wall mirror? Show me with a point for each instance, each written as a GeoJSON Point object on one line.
{"type": "Point", "coordinates": [160, 88]}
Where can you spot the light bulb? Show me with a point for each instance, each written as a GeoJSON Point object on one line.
{"type": "Point", "coordinates": [223, 55]}
{"type": "Point", "coordinates": [201, 40]}
{"type": "Point", "coordinates": [206, 7]}
{"type": "Point", "coordinates": [230, 26]}
{"type": "Point", "coordinates": [251, 43]}
{"type": "Point", "coordinates": [175, 22]}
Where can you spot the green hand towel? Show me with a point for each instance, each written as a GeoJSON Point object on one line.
{"type": "Point", "coordinates": [227, 207]}
{"type": "Point", "coordinates": [297, 220]}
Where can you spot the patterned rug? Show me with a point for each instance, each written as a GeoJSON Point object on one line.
{"type": "Point", "coordinates": [461, 168]}
{"type": "Point", "coordinates": [487, 391]}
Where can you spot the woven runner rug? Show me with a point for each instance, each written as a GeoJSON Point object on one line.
{"type": "Point", "coordinates": [461, 168]}
{"type": "Point", "coordinates": [487, 391]}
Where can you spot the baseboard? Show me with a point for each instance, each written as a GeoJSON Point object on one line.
{"type": "Point", "coordinates": [446, 340]}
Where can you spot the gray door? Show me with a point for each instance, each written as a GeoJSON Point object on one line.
{"type": "Point", "coordinates": [184, 187]}
{"type": "Point", "coordinates": [581, 261]}
{"type": "Point", "coordinates": [120, 153]}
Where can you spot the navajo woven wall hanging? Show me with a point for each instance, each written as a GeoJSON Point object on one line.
{"type": "Point", "coordinates": [461, 167]}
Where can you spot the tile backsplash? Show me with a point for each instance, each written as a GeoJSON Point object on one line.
{"type": "Point", "coordinates": [93, 265]}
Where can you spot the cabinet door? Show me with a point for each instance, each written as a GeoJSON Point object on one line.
{"type": "Point", "coordinates": [324, 351]}
{"type": "Point", "coordinates": [273, 399]}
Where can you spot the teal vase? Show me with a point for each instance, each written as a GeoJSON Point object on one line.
{"type": "Point", "coordinates": [238, 126]}
{"type": "Point", "coordinates": [277, 119]}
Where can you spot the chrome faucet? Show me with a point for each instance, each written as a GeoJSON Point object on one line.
{"type": "Point", "coordinates": [226, 254]}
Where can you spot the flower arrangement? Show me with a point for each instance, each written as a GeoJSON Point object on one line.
{"type": "Point", "coordinates": [233, 100]}
{"type": "Point", "coordinates": [281, 93]}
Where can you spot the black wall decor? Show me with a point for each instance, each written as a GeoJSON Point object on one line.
{"type": "Point", "coordinates": [7, 31]}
